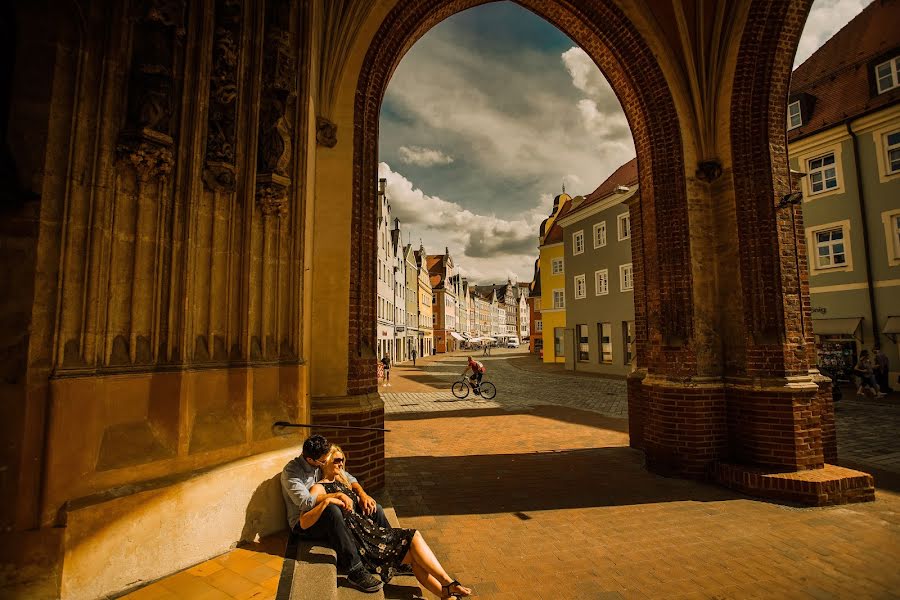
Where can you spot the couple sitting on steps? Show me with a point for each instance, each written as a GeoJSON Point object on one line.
{"type": "Point", "coordinates": [326, 503]}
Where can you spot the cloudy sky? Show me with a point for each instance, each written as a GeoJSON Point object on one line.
{"type": "Point", "coordinates": [490, 113]}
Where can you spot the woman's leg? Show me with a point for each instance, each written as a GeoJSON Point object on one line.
{"type": "Point", "coordinates": [427, 581]}
{"type": "Point", "coordinates": [424, 558]}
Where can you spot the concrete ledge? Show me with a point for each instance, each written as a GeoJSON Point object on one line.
{"type": "Point", "coordinates": [315, 572]}
{"type": "Point", "coordinates": [815, 487]}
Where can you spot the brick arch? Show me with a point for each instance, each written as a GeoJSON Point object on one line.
{"type": "Point", "coordinates": [777, 322]}
{"type": "Point", "coordinates": [662, 273]}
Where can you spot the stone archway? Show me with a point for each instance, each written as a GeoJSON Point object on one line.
{"type": "Point", "coordinates": [711, 151]}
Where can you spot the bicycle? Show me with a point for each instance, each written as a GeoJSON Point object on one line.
{"type": "Point", "coordinates": [486, 389]}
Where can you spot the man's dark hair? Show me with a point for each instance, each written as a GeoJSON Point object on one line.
{"type": "Point", "coordinates": [315, 447]}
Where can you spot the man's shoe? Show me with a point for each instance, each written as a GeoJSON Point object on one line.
{"type": "Point", "coordinates": [364, 581]}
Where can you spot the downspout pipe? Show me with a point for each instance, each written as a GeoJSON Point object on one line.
{"type": "Point", "coordinates": [865, 234]}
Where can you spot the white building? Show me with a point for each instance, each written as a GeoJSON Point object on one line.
{"type": "Point", "coordinates": [386, 260]}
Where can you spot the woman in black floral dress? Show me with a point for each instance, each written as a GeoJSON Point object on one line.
{"type": "Point", "coordinates": [383, 550]}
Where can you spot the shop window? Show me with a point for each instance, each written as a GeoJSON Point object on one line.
{"type": "Point", "coordinates": [584, 347]}
{"type": "Point", "coordinates": [604, 334]}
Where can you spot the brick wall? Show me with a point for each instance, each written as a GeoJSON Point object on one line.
{"type": "Point", "coordinates": [685, 429]}
{"type": "Point", "coordinates": [364, 449]}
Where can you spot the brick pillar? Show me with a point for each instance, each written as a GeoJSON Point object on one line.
{"type": "Point", "coordinates": [637, 408]}
{"type": "Point", "coordinates": [684, 431]}
{"type": "Point", "coordinates": [364, 449]}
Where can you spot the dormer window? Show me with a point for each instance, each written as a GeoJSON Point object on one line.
{"type": "Point", "coordinates": [795, 118]}
{"type": "Point", "coordinates": [887, 74]}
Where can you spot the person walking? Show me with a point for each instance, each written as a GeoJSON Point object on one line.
{"type": "Point", "coordinates": [882, 371]}
{"type": "Point", "coordinates": [386, 364]}
{"type": "Point", "coordinates": [413, 354]}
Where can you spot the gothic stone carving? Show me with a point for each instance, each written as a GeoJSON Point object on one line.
{"type": "Point", "coordinates": [326, 132]}
{"type": "Point", "coordinates": [223, 91]}
{"type": "Point", "coordinates": [276, 107]}
{"type": "Point", "coordinates": [149, 154]}
{"type": "Point", "coordinates": [271, 195]}
{"type": "Point", "coordinates": [146, 140]}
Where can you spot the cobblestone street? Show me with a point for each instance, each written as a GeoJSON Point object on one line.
{"type": "Point", "coordinates": [536, 494]}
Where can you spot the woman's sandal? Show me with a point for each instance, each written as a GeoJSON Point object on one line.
{"type": "Point", "coordinates": [447, 594]}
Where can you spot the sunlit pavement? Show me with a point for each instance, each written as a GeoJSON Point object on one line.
{"type": "Point", "coordinates": [537, 495]}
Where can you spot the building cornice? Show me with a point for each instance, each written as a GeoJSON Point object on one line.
{"type": "Point", "coordinates": [608, 202]}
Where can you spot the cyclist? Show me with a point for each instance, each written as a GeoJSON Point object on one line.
{"type": "Point", "coordinates": [478, 370]}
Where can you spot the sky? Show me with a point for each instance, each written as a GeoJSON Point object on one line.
{"type": "Point", "coordinates": [490, 113]}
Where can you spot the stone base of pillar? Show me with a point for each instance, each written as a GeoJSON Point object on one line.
{"type": "Point", "coordinates": [684, 432]}
{"type": "Point", "coordinates": [637, 408]}
{"type": "Point", "coordinates": [364, 449]}
{"type": "Point", "coordinates": [815, 487]}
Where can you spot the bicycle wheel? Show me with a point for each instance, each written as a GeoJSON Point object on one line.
{"type": "Point", "coordinates": [460, 389]}
{"type": "Point", "coordinates": [488, 390]}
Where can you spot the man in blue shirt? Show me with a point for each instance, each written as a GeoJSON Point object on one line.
{"type": "Point", "coordinates": [297, 477]}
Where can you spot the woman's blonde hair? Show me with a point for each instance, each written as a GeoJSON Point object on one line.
{"type": "Point", "coordinates": [339, 473]}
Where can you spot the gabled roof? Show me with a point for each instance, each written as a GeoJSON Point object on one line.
{"type": "Point", "coordinates": [837, 81]}
{"type": "Point", "coordinates": [437, 270]}
{"type": "Point", "coordinates": [626, 175]}
{"type": "Point", "coordinates": [555, 234]}
{"type": "Point", "coordinates": [536, 281]}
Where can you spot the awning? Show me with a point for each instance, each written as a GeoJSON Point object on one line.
{"type": "Point", "coordinates": [892, 325]}
{"type": "Point", "coordinates": [457, 336]}
{"type": "Point", "coordinates": [848, 326]}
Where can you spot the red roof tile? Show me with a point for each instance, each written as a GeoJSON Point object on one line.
{"type": "Point", "coordinates": [626, 175]}
{"type": "Point", "coordinates": [840, 74]}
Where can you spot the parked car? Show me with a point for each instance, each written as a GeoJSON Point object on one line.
{"type": "Point", "coordinates": [512, 342]}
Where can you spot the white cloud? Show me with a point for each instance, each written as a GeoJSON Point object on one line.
{"type": "Point", "coordinates": [486, 248]}
{"type": "Point", "coordinates": [826, 17]}
{"type": "Point", "coordinates": [510, 117]}
{"type": "Point", "coordinates": [423, 157]}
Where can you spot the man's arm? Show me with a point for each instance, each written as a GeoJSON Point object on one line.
{"type": "Point", "coordinates": [297, 491]}
{"type": "Point", "coordinates": [366, 502]}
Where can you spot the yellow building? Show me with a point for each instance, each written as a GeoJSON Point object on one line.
{"type": "Point", "coordinates": [553, 284]}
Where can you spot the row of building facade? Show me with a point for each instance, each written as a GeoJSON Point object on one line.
{"type": "Point", "coordinates": [424, 305]}
{"type": "Point", "coordinates": [844, 147]}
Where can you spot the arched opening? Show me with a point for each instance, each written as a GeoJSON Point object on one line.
{"type": "Point", "coordinates": [710, 372]}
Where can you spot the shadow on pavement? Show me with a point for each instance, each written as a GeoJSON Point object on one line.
{"type": "Point", "coordinates": [564, 414]}
{"type": "Point", "coordinates": [519, 483]}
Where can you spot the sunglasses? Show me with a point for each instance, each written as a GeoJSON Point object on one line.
{"type": "Point", "coordinates": [338, 461]}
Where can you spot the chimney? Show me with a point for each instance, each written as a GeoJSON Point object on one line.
{"type": "Point", "coordinates": [381, 186]}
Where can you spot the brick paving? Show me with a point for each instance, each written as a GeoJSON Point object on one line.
{"type": "Point", "coordinates": [536, 495]}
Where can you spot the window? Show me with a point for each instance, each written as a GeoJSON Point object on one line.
{"type": "Point", "coordinates": [626, 278]}
{"type": "Point", "coordinates": [537, 304]}
{"type": "Point", "coordinates": [559, 298]}
{"type": "Point", "coordinates": [539, 326]}
{"type": "Point", "coordinates": [794, 117]}
{"type": "Point", "coordinates": [893, 152]}
{"type": "Point", "coordinates": [888, 75]}
{"type": "Point", "coordinates": [624, 221]}
{"type": "Point", "coordinates": [604, 333]}
{"type": "Point", "coordinates": [556, 266]}
{"type": "Point", "coordinates": [830, 249]}
{"type": "Point", "coordinates": [628, 337]}
{"type": "Point", "coordinates": [822, 174]}
{"type": "Point", "coordinates": [584, 347]}
{"type": "Point", "coordinates": [891, 220]}
{"type": "Point", "coordinates": [580, 287]}
{"type": "Point", "coordinates": [600, 234]}
{"type": "Point", "coordinates": [578, 242]}
{"type": "Point", "coordinates": [558, 341]}
{"type": "Point", "coordinates": [601, 282]}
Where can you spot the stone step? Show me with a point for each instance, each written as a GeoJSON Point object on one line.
{"type": "Point", "coordinates": [314, 575]}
